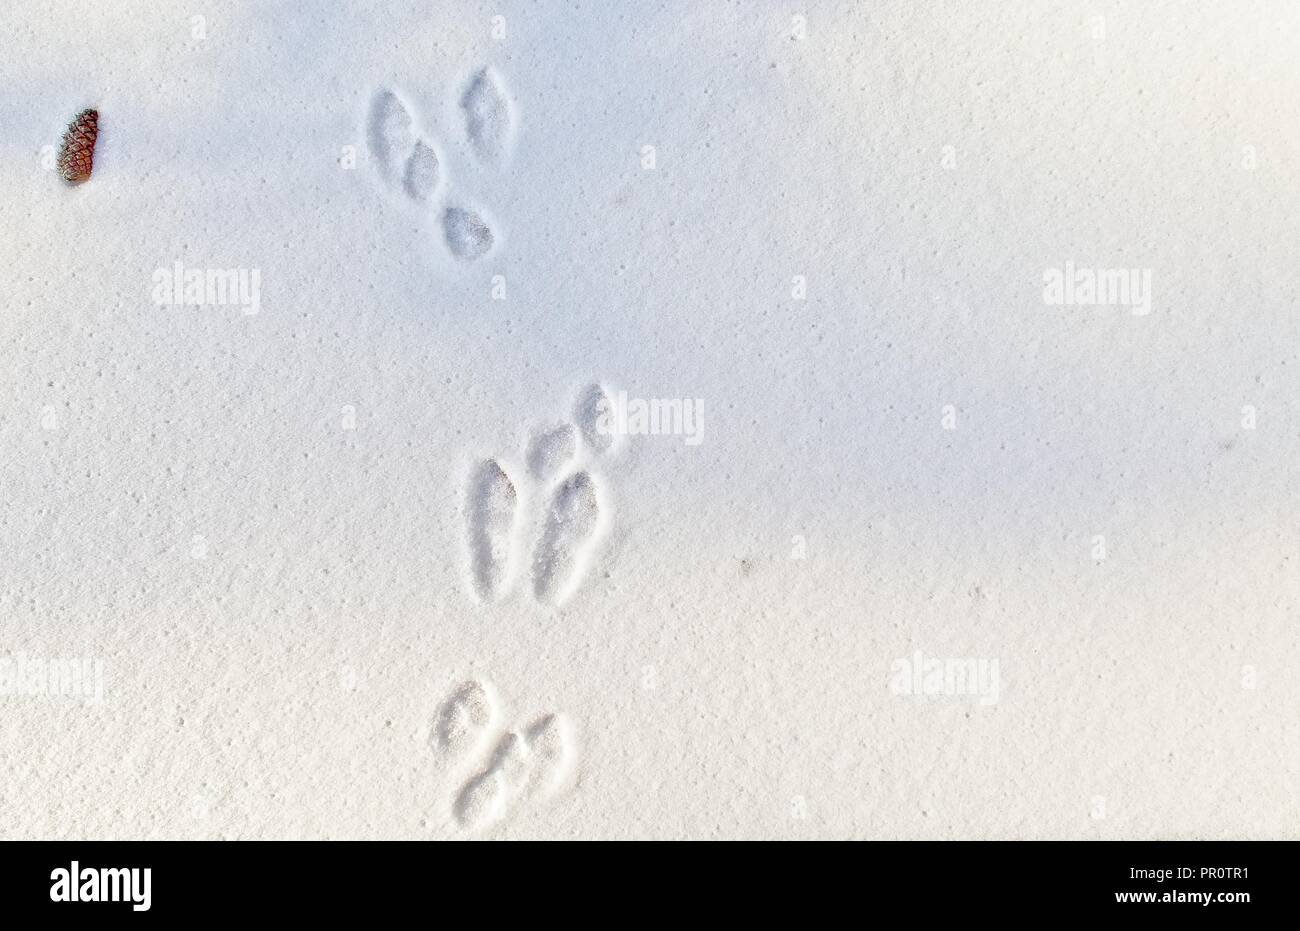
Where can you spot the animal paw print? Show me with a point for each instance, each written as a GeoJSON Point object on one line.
{"type": "Point", "coordinates": [558, 464]}
{"type": "Point", "coordinates": [404, 158]}
{"type": "Point", "coordinates": [497, 772]}
{"type": "Point", "coordinates": [409, 160]}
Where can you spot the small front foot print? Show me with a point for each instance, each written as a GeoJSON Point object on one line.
{"type": "Point", "coordinates": [421, 177]}
{"type": "Point", "coordinates": [594, 413]}
{"type": "Point", "coordinates": [489, 123]}
{"type": "Point", "coordinates": [464, 722]}
{"type": "Point", "coordinates": [468, 235]}
{"type": "Point", "coordinates": [550, 747]}
{"type": "Point", "coordinates": [552, 450]}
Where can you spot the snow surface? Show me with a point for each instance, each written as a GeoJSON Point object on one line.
{"type": "Point", "coordinates": [263, 527]}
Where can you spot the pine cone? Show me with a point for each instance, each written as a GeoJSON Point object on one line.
{"type": "Point", "coordinates": [77, 155]}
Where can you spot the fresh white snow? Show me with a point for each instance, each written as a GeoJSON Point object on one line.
{"type": "Point", "coordinates": [828, 223]}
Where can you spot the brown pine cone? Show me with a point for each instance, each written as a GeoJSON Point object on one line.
{"type": "Point", "coordinates": [77, 155]}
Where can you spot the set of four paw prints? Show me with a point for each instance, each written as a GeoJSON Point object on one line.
{"type": "Point", "coordinates": [560, 472]}
{"type": "Point", "coordinates": [408, 159]}
{"type": "Point", "coordinates": [495, 772]}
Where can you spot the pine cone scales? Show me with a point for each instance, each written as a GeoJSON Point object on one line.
{"type": "Point", "coordinates": [77, 155]}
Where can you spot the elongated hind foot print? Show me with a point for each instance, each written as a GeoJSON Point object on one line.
{"type": "Point", "coordinates": [491, 507]}
{"type": "Point", "coordinates": [571, 523]}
